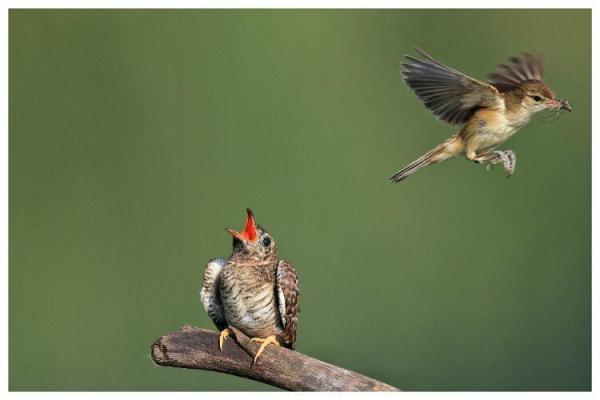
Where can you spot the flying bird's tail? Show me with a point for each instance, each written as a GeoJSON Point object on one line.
{"type": "Point", "coordinates": [450, 148]}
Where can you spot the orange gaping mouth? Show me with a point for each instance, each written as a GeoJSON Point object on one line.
{"type": "Point", "coordinates": [249, 233]}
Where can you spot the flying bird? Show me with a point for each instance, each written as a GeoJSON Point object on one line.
{"type": "Point", "coordinates": [253, 290]}
{"type": "Point", "coordinates": [487, 113]}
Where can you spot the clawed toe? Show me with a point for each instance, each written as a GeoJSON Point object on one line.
{"type": "Point", "coordinates": [224, 333]}
{"type": "Point", "coordinates": [263, 343]}
{"type": "Point", "coordinates": [511, 163]}
{"type": "Point", "coordinates": [502, 156]}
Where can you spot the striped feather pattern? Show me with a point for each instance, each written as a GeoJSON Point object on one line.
{"type": "Point", "coordinates": [209, 294]}
{"type": "Point", "coordinates": [288, 294]}
{"type": "Point", "coordinates": [249, 298]}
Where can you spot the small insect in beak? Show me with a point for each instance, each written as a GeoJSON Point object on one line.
{"type": "Point", "coordinates": [565, 105]}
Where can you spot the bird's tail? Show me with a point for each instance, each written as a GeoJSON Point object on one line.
{"type": "Point", "coordinates": [450, 148]}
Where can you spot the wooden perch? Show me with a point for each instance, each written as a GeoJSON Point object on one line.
{"type": "Point", "coordinates": [287, 369]}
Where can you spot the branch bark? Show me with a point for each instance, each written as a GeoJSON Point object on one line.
{"type": "Point", "coordinates": [286, 369]}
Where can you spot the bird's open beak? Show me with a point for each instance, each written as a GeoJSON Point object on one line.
{"type": "Point", "coordinates": [249, 233]}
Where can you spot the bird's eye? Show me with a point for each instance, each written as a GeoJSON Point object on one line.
{"type": "Point", "coordinates": [266, 241]}
{"type": "Point", "coordinates": [536, 98]}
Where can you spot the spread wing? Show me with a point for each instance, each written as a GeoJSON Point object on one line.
{"type": "Point", "coordinates": [209, 294]}
{"type": "Point", "coordinates": [524, 68]}
{"type": "Point", "coordinates": [288, 300]}
{"type": "Point", "coordinates": [450, 95]}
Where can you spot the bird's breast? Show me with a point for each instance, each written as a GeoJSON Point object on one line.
{"type": "Point", "coordinates": [488, 129]}
{"type": "Point", "coordinates": [248, 298]}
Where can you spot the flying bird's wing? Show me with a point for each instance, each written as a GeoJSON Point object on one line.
{"type": "Point", "coordinates": [209, 294]}
{"type": "Point", "coordinates": [288, 300]}
{"type": "Point", "coordinates": [524, 68]}
{"type": "Point", "coordinates": [450, 95]}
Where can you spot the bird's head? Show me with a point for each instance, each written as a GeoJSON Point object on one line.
{"type": "Point", "coordinates": [254, 241]}
{"type": "Point", "coordinates": [521, 79]}
{"type": "Point", "coordinates": [536, 96]}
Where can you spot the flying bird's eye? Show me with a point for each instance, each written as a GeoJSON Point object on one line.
{"type": "Point", "coordinates": [536, 98]}
{"type": "Point", "coordinates": [266, 241]}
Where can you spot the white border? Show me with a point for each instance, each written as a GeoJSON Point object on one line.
{"type": "Point", "coordinates": [285, 4]}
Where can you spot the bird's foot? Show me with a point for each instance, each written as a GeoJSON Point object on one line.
{"type": "Point", "coordinates": [512, 162]}
{"type": "Point", "coordinates": [264, 343]}
{"type": "Point", "coordinates": [224, 333]}
{"type": "Point", "coordinates": [508, 159]}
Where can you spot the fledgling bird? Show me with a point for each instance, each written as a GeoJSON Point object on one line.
{"type": "Point", "coordinates": [253, 291]}
{"type": "Point", "coordinates": [487, 113]}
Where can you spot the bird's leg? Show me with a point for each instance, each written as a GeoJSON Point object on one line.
{"type": "Point", "coordinates": [491, 157]}
{"type": "Point", "coordinates": [507, 158]}
{"type": "Point", "coordinates": [224, 333]}
{"type": "Point", "coordinates": [264, 343]}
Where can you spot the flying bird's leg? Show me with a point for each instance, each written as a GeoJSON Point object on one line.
{"type": "Point", "coordinates": [264, 343]}
{"type": "Point", "coordinates": [224, 333]}
{"type": "Point", "coordinates": [507, 158]}
{"type": "Point", "coordinates": [489, 158]}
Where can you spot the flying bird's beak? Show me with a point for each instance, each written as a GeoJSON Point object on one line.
{"type": "Point", "coordinates": [559, 104]}
{"type": "Point", "coordinates": [553, 103]}
{"type": "Point", "coordinates": [250, 233]}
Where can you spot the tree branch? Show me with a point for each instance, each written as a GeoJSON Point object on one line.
{"type": "Point", "coordinates": [287, 369]}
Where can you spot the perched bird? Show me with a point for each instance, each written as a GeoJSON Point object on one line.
{"type": "Point", "coordinates": [487, 113]}
{"type": "Point", "coordinates": [253, 291]}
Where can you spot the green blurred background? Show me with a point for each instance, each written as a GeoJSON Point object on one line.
{"type": "Point", "coordinates": [136, 137]}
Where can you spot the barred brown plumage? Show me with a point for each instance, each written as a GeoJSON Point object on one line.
{"type": "Point", "coordinates": [253, 290]}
